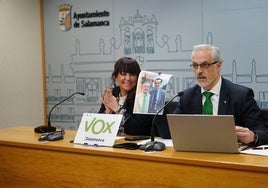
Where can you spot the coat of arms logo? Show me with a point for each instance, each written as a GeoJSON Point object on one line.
{"type": "Point", "coordinates": [65, 17]}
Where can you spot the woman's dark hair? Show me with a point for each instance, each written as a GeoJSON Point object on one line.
{"type": "Point", "coordinates": [126, 65]}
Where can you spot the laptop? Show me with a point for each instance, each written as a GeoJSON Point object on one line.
{"type": "Point", "coordinates": [203, 133]}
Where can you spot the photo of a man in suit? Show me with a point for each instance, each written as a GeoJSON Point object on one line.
{"type": "Point", "coordinates": [143, 99]}
{"type": "Point", "coordinates": [157, 96]}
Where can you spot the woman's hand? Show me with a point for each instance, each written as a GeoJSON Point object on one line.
{"type": "Point", "coordinates": [110, 102]}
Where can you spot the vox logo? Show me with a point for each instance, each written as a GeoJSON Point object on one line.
{"type": "Point", "coordinates": [98, 126]}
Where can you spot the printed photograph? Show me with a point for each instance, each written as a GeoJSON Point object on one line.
{"type": "Point", "coordinates": [151, 92]}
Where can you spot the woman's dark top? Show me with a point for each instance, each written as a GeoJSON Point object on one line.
{"type": "Point", "coordinates": [136, 124]}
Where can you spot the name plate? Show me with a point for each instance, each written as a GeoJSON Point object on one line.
{"type": "Point", "coordinates": [98, 129]}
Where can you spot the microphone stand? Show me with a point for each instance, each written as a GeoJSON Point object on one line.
{"type": "Point", "coordinates": [49, 128]}
{"type": "Point", "coordinates": [153, 145]}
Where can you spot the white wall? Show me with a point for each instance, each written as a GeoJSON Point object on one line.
{"type": "Point", "coordinates": [21, 95]}
{"type": "Point", "coordinates": [159, 35]}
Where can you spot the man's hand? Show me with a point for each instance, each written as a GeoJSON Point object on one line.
{"type": "Point", "coordinates": [244, 135]}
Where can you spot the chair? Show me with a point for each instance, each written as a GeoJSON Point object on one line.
{"type": "Point", "coordinates": [170, 108]}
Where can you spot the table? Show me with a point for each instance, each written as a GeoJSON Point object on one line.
{"type": "Point", "coordinates": [25, 162]}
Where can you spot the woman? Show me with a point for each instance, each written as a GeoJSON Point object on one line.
{"type": "Point", "coordinates": [120, 99]}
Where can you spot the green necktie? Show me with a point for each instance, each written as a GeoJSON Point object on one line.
{"type": "Point", "coordinates": [208, 107]}
{"type": "Point", "coordinates": [144, 104]}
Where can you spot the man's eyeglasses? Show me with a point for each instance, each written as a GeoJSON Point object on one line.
{"type": "Point", "coordinates": [203, 66]}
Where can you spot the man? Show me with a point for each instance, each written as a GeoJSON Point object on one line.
{"type": "Point", "coordinates": [157, 99]}
{"type": "Point", "coordinates": [142, 99]}
{"type": "Point", "coordinates": [227, 98]}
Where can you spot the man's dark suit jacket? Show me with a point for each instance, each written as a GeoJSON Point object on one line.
{"type": "Point", "coordinates": [156, 105]}
{"type": "Point", "coordinates": [234, 100]}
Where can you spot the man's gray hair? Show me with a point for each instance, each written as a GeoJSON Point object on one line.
{"type": "Point", "coordinates": [215, 51]}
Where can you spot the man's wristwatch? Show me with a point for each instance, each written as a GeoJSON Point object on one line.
{"type": "Point", "coordinates": [256, 138]}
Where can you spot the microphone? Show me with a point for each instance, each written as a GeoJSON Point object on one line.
{"type": "Point", "coordinates": [49, 128]}
{"type": "Point", "coordinates": [153, 145]}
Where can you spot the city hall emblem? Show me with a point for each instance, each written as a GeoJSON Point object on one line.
{"type": "Point", "coordinates": [65, 17]}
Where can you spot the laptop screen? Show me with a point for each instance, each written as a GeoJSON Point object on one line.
{"type": "Point", "coordinates": [203, 133]}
